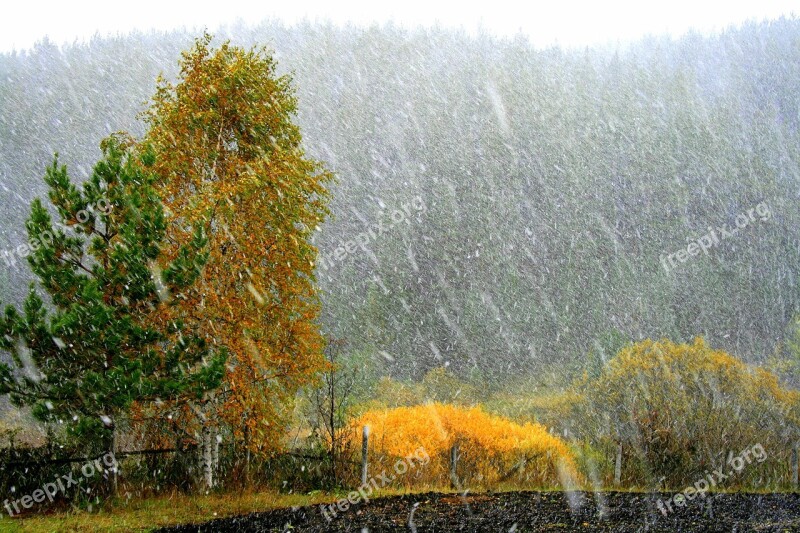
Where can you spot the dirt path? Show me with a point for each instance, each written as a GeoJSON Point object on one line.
{"type": "Point", "coordinates": [529, 511]}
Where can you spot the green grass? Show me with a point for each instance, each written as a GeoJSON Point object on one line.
{"type": "Point", "coordinates": [159, 511]}
{"type": "Point", "coordinates": [151, 513]}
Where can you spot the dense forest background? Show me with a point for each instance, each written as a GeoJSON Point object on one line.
{"type": "Point", "coordinates": [542, 188]}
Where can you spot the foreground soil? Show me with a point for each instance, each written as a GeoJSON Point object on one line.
{"type": "Point", "coordinates": [529, 511]}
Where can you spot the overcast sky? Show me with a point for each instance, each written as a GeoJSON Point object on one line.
{"type": "Point", "coordinates": [566, 22]}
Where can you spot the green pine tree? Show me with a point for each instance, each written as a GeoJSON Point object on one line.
{"type": "Point", "coordinates": [87, 356]}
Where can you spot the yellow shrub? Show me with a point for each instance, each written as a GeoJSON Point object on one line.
{"type": "Point", "coordinates": [492, 449]}
{"type": "Point", "coordinates": [683, 408]}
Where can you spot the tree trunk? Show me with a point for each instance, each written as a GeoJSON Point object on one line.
{"type": "Point", "coordinates": [216, 441]}
{"type": "Point", "coordinates": [114, 458]}
{"type": "Point", "coordinates": [246, 456]}
{"type": "Point", "coordinates": [206, 458]}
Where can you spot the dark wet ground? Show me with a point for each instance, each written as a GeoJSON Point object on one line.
{"type": "Point", "coordinates": [530, 511]}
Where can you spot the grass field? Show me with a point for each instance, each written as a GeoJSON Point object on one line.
{"type": "Point", "coordinates": [148, 514]}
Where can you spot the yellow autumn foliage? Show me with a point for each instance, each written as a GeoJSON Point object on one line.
{"type": "Point", "coordinates": [682, 378]}
{"type": "Point", "coordinates": [492, 449]}
{"type": "Point", "coordinates": [680, 409]}
{"type": "Point", "coordinates": [229, 157]}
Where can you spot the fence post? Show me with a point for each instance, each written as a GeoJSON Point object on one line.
{"type": "Point", "coordinates": [618, 466]}
{"type": "Point", "coordinates": [364, 454]}
{"type": "Point", "coordinates": [794, 466]}
{"type": "Point", "coordinates": [453, 465]}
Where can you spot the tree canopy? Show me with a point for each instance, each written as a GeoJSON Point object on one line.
{"type": "Point", "coordinates": [229, 157]}
{"type": "Point", "coordinates": [87, 354]}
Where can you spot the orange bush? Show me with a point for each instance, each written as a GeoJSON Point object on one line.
{"type": "Point", "coordinates": [492, 449]}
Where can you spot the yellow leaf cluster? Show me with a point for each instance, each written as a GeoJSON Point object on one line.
{"type": "Point", "coordinates": [662, 372]}
{"type": "Point", "coordinates": [679, 409]}
{"type": "Point", "coordinates": [492, 449]}
{"type": "Point", "coordinates": [230, 159]}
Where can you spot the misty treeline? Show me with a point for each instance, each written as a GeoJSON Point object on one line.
{"type": "Point", "coordinates": [499, 208]}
